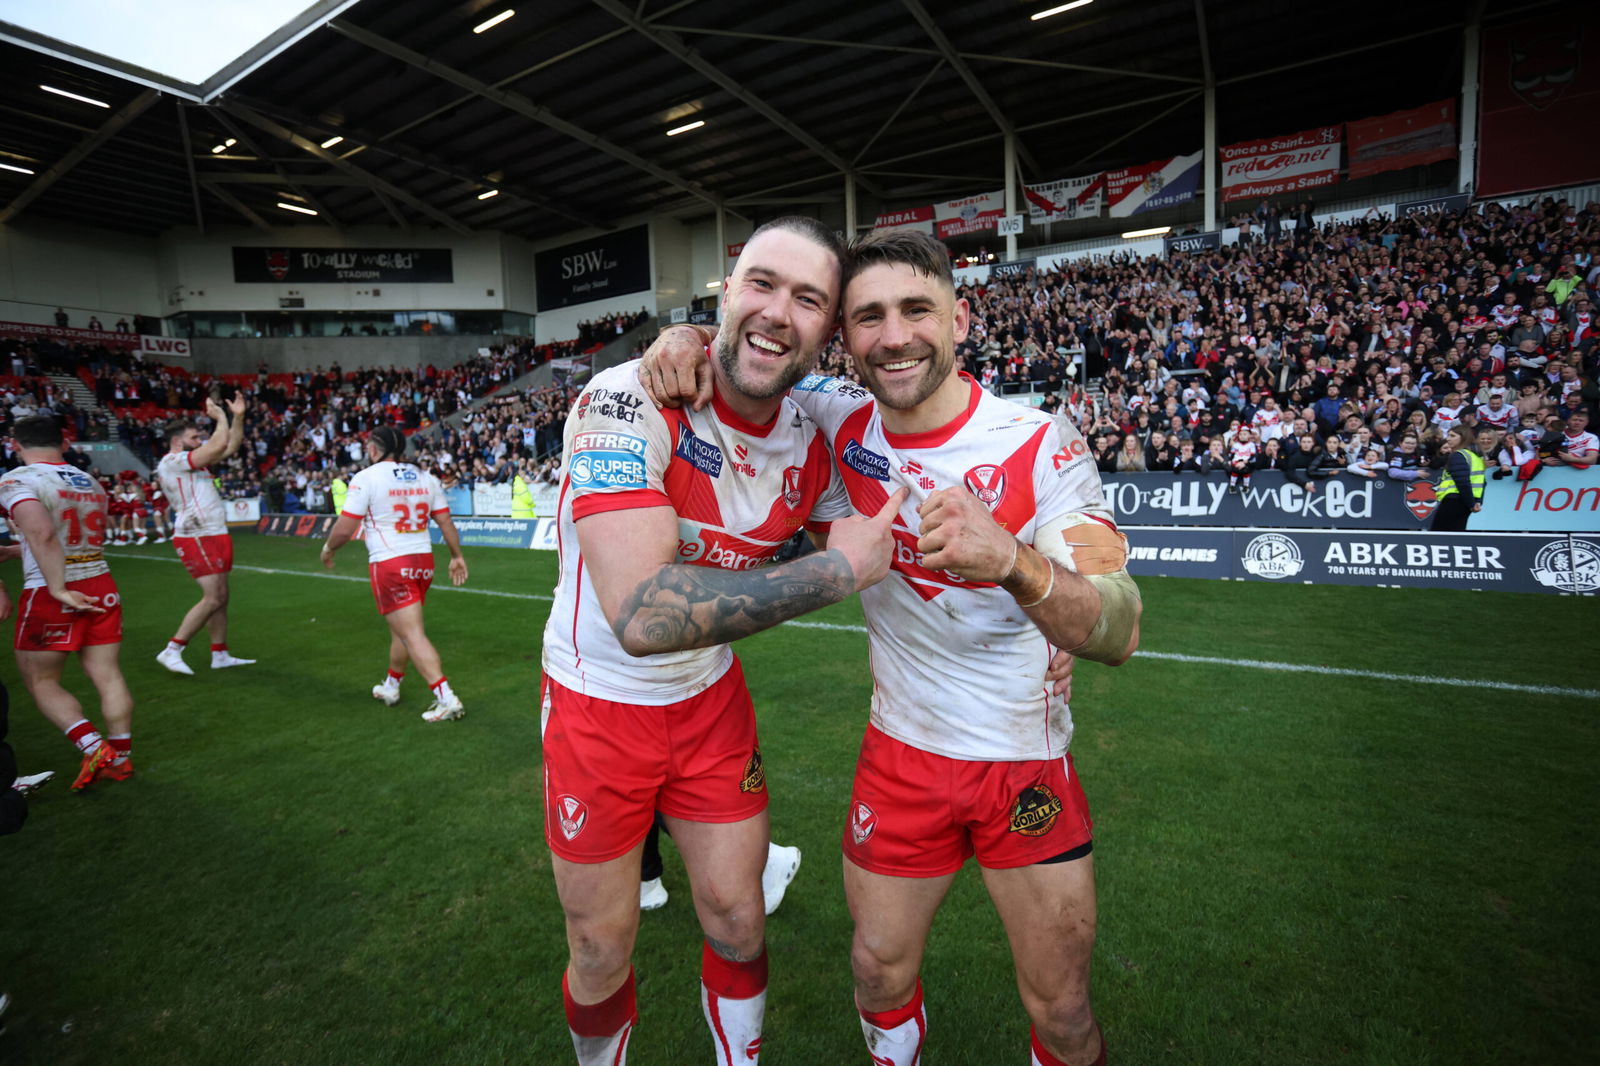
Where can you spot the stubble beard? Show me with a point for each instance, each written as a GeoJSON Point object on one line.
{"type": "Point", "coordinates": [727, 348]}
{"type": "Point", "coordinates": [943, 365]}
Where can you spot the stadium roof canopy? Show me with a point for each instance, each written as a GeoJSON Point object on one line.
{"type": "Point", "coordinates": [398, 112]}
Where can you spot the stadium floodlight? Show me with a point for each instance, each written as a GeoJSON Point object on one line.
{"type": "Point", "coordinates": [74, 96]}
{"type": "Point", "coordinates": [492, 23]}
{"type": "Point", "coordinates": [331, 141]}
{"type": "Point", "coordinates": [296, 208]}
{"type": "Point", "coordinates": [696, 124]}
{"type": "Point", "coordinates": [19, 170]}
{"type": "Point", "coordinates": [1159, 231]}
{"type": "Point", "coordinates": [490, 194]}
{"type": "Point", "coordinates": [1057, 10]}
{"type": "Point", "coordinates": [218, 149]}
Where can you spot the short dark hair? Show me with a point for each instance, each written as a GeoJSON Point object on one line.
{"type": "Point", "coordinates": [809, 228]}
{"type": "Point", "coordinates": [37, 431]}
{"type": "Point", "coordinates": [919, 251]}
{"type": "Point", "coordinates": [178, 427]}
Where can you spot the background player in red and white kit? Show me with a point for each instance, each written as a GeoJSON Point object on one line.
{"type": "Point", "coordinates": [667, 521]}
{"type": "Point", "coordinates": [159, 506]}
{"type": "Point", "coordinates": [69, 601]}
{"type": "Point", "coordinates": [390, 503]}
{"type": "Point", "coordinates": [200, 528]}
{"type": "Point", "coordinates": [1005, 552]}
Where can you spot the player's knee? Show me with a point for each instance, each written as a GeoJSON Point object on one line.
{"type": "Point", "coordinates": [734, 917]}
{"type": "Point", "coordinates": [1064, 1020]}
{"type": "Point", "coordinates": [879, 978]}
{"type": "Point", "coordinates": [597, 954]}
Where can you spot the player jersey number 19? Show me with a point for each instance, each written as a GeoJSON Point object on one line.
{"type": "Point", "coordinates": [404, 523]}
{"type": "Point", "coordinates": [94, 522]}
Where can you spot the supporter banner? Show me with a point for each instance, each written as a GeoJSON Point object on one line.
{"type": "Point", "coordinates": [1558, 500]}
{"type": "Point", "coordinates": [1433, 205]}
{"type": "Point", "coordinates": [913, 218]}
{"type": "Point", "coordinates": [1056, 201]}
{"type": "Point", "coordinates": [492, 532]}
{"type": "Point", "coordinates": [1541, 89]}
{"type": "Point", "coordinates": [311, 266]}
{"type": "Point", "coordinates": [1271, 500]}
{"type": "Point", "coordinates": [37, 331]}
{"type": "Point", "coordinates": [1510, 562]}
{"type": "Point", "coordinates": [1193, 242]}
{"type": "Point", "coordinates": [245, 511]}
{"type": "Point", "coordinates": [594, 269]}
{"type": "Point", "coordinates": [970, 214]}
{"type": "Point", "coordinates": [459, 500]}
{"type": "Point", "coordinates": [295, 525]}
{"type": "Point", "coordinates": [1164, 183]}
{"type": "Point", "coordinates": [164, 347]}
{"type": "Point", "coordinates": [1156, 551]}
{"type": "Point", "coordinates": [1413, 138]}
{"type": "Point", "coordinates": [704, 317]}
{"type": "Point", "coordinates": [492, 499]}
{"type": "Point", "coordinates": [1305, 160]}
{"type": "Point", "coordinates": [1011, 268]}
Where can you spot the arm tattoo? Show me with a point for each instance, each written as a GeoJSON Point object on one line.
{"type": "Point", "coordinates": [682, 607]}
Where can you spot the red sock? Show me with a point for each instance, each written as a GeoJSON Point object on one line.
{"type": "Point", "coordinates": [122, 744]}
{"type": "Point", "coordinates": [436, 684]}
{"type": "Point", "coordinates": [397, 676]}
{"type": "Point", "coordinates": [734, 980]}
{"type": "Point", "coordinates": [179, 643]}
{"type": "Point", "coordinates": [733, 998]}
{"type": "Point", "coordinates": [218, 647]}
{"type": "Point", "coordinates": [1042, 1056]}
{"type": "Point", "coordinates": [894, 1019]}
{"type": "Point", "coordinates": [606, 1018]}
{"type": "Point", "coordinates": [84, 736]}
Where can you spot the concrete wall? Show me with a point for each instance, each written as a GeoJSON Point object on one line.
{"type": "Point", "coordinates": [86, 272]}
{"type": "Point", "coordinates": [243, 356]}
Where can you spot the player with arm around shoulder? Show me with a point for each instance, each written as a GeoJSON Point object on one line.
{"type": "Point", "coordinates": [390, 504]}
{"type": "Point", "coordinates": [200, 527]}
{"type": "Point", "coordinates": [1005, 553]}
{"type": "Point", "coordinates": [69, 602]}
{"type": "Point", "coordinates": [666, 523]}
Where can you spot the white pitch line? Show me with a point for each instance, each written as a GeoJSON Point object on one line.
{"type": "Point", "coordinates": [1169, 656]}
{"type": "Point", "coordinates": [345, 577]}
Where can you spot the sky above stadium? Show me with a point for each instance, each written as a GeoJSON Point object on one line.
{"type": "Point", "coordinates": [189, 40]}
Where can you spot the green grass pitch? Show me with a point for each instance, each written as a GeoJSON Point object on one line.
{"type": "Point", "coordinates": [1293, 867]}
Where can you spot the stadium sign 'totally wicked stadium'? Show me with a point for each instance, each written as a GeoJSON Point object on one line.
{"type": "Point", "coordinates": [313, 266]}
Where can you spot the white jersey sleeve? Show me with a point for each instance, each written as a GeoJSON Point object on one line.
{"type": "Point", "coordinates": [197, 508]}
{"type": "Point", "coordinates": [394, 502]}
{"type": "Point", "coordinates": [77, 506]}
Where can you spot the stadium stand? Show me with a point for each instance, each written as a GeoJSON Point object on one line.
{"type": "Point", "coordinates": [1377, 332]}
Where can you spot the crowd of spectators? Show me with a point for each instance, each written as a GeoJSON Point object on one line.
{"type": "Point", "coordinates": [1344, 349]}
{"type": "Point", "coordinates": [1348, 349]}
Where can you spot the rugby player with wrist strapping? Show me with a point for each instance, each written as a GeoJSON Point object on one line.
{"type": "Point", "coordinates": [668, 522]}
{"type": "Point", "coordinates": [1005, 551]}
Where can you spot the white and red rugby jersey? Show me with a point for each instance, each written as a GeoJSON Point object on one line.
{"type": "Point", "coordinates": [958, 668]}
{"type": "Point", "coordinates": [198, 510]}
{"type": "Point", "coordinates": [740, 491]}
{"type": "Point", "coordinates": [76, 503]}
{"type": "Point", "coordinates": [394, 502]}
